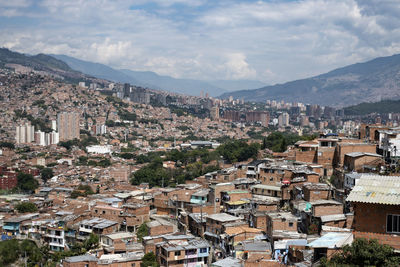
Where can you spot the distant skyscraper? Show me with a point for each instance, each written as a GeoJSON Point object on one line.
{"type": "Point", "coordinates": [127, 90]}
{"type": "Point", "coordinates": [283, 119]}
{"type": "Point", "coordinates": [68, 126]}
{"type": "Point", "coordinates": [54, 125]}
{"type": "Point", "coordinates": [25, 134]}
{"type": "Point", "coordinates": [214, 113]}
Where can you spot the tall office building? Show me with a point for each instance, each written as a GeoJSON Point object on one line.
{"type": "Point", "coordinates": [68, 126]}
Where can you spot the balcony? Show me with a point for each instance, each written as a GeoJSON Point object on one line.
{"type": "Point", "coordinates": [54, 236]}
{"type": "Point", "coordinates": [56, 244]}
{"type": "Point", "coordinates": [85, 230]}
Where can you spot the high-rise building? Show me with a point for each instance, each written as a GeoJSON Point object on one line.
{"type": "Point", "coordinates": [25, 134]}
{"type": "Point", "coordinates": [46, 139]}
{"type": "Point", "coordinates": [68, 126]}
{"type": "Point", "coordinates": [258, 116]}
{"type": "Point", "coordinates": [232, 115]}
{"type": "Point", "coordinates": [127, 90]}
{"type": "Point", "coordinates": [214, 113]}
{"type": "Point", "coordinates": [54, 125]}
{"type": "Point", "coordinates": [99, 129]}
{"type": "Point", "coordinates": [283, 119]}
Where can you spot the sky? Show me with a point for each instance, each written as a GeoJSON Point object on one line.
{"type": "Point", "coordinates": [270, 41]}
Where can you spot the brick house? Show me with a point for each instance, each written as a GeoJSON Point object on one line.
{"type": "Point", "coordinates": [344, 148]}
{"type": "Point", "coordinates": [134, 214]}
{"type": "Point", "coordinates": [233, 196]}
{"type": "Point", "coordinates": [183, 253]}
{"type": "Point", "coordinates": [356, 161]}
{"type": "Point", "coordinates": [159, 228]}
{"type": "Point", "coordinates": [234, 235]}
{"type": "Point", "coordinates": [80, 261]}
{"type": "Point", "coordinates": [376, 204]}
{"type": "Point", "coordinates": [217, 223]}
{"type": "Point", "coordinates": [119, 242]}
{"type": "Point", "coordinates": [316, 191]}
{"type": "Point", "coordinates": [267, 190]}
{"type": "Point", "coordinates": [96, 226]}
{"type": "Point", "coordinates": [8, 180]}
{"type": "Point", "coordinates": [280, 222]}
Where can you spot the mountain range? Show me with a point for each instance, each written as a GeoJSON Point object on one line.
{"type": "Point", "coordinates": [153, 80]}
{"type": "Point", "coordinates": [371, 81]}
{"type": "Point", "coordinates": [374, 80]}
{"type": "Point", "coordinates": [45, 64]}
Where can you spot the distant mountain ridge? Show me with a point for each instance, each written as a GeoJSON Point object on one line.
{"type": "Point", "coordinates": [371, 81]}
{"type": "Point", "coordinates": [382, 107]}
{"type": "Point", "coordinates": [45, 64]}
{"type": "Point", "coordinates": [156, 81]}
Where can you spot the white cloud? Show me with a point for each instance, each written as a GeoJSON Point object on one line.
{"type": "Point", "coordinates": [15, 3]}
{"type": "Point", "coordinates": [268, 40]}
{"type": "Point", "coordinates": [238, 68]}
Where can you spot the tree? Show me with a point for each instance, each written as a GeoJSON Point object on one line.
{"type": "Point", "coordinates": [7, 145]}
{"type": "Point", "coordinates": [82, 191]}
{"type": "Point", "coordinates": [9, 252]}
{"type": "Point", "coordinates": [364, 252]}
{"type": "Point", "coordinates": [143, 231]}
{"type": "Point", "coordinates": [264, 144]}
{"type": "Point", "coordinates": [238, 150]}
{"type": "Point", "coordinates": [92, 242]}
{"type": "Point", "coordinates": [23, 207]}
{"type": "Point", "coordinates": [149, 259]}
{"type": "Point", "coordinates": [26, 182]}
{"type": "Point", "coordinates": [12, 250]}
{"type": "Point", "coordinates": [46, 174]}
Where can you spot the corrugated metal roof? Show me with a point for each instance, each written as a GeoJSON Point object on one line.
{"type": "Point", "coordinates": [376, 189]}
{"type": "Point", "coordinates": [238, 202]}
{"type": "Point", "coordinates": [332, 240]}
{"type": "Point", "coordinates": [267, 187]}
{"type": "Point", "coordinates": [359, 154]}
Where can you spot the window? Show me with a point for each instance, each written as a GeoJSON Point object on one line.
{"type": "Point", "coordinates": [203, 250]}
{"type": "Point", "coordinates": [271, 179]}
{"type": "Point", "coordinates": [393, 223]}
{"type": "Point", "coordinates": [177, 253]}
{"type": "Point", "coordinates": [290, 224]}
{"type": "Point", "coordinates": [133, 264]}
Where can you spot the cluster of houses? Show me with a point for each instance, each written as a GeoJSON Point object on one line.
{"type": "Point", "coordinates": [296, 208]}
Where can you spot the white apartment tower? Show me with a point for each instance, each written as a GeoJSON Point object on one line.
{"type": "Point", "coordinates": [25, 134]}
{"type": "Point", "coordinates": [283, 119]}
